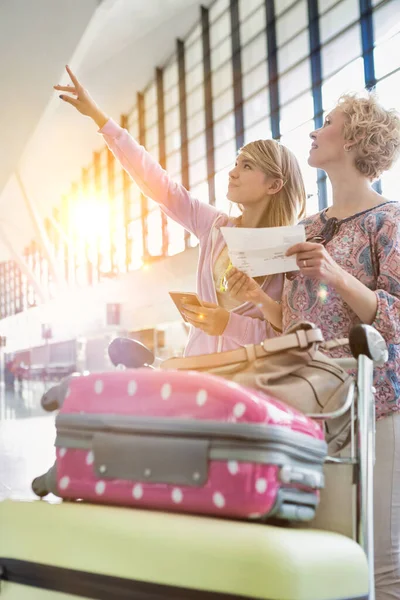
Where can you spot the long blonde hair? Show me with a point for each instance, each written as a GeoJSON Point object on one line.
{"type": "Point", "coordinates": [288, 205]}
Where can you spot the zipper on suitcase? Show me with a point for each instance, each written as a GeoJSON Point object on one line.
{"type": "Point", "coordinates": [82, 427]}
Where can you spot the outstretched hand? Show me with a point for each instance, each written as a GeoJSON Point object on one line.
{"type": "Point", "coordinates": [79, 97]}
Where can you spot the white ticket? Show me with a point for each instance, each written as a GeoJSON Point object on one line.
{"type": "Point", "coordinates": [261, 251]}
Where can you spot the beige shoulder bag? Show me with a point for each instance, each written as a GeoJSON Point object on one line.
{"type": "Point", "coordinates": [291, 368]}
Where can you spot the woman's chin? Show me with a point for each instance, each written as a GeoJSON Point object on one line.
{"type": "Point", "coordinates": [231, 197]}
{"type": "Point", "coordinates": [312, 161]}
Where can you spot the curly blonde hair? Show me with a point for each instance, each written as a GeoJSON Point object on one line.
{"type": "Point", "coordinates": [375, 130]}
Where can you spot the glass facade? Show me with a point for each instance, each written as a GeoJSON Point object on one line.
{"type": "Point", "coordinates": [249, 69]}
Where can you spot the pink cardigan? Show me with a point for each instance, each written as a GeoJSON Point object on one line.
{"type": "Point", "coordinates": [246, 324]}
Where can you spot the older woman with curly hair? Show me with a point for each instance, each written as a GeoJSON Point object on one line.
{"type": "Point", "coordinates": [349, 272]}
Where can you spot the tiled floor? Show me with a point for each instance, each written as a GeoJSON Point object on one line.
{"type": "Point", "coordinates": [27, 436]}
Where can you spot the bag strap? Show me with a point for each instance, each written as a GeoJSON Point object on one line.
{"type": "Point", "coordinates": [337, 343]}
{"type": "Point", "coordinates": [302, 338]}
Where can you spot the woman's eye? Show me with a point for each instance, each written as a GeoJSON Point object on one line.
{"type": "Point", "coordinates": [246, 166]}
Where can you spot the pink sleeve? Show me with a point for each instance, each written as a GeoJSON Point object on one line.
{"type": "Point", "coordinates": [253, 330]}
{"type": "Point", "coordinates": [195, 216]}
{"type": "Point", "coordinates": [387, 250]}
{"type": "Point", "coordinates": [248, 330]}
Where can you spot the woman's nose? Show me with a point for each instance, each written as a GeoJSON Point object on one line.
{"type": "Point", "coordinates": [233, 173]}
{"type": "Point", "coordinates": [313, 135]}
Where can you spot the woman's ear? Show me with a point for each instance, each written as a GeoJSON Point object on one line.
{"type": "Point", "coordinates": [348, 146]}
{"type": "Point", "coordinates": [275, 185]}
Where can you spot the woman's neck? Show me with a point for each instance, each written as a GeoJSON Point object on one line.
{"type": "Point", "coordinates": [252, 214]}
{"type": "Point", "coordinates": [351, 193]}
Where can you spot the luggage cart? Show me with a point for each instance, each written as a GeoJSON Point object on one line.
{"type": "Point", "coordinates": [369, 350]}
{"type": "Point", "coordinates": [104, 552]}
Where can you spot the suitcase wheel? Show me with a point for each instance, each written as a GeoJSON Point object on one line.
{"type": "Point", "coordinates": [50, 399]}
{"type": "Point", "coordinates": [39, 486]}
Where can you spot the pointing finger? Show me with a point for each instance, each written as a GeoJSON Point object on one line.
{"type": "Point", "coordinates": [74, 79]}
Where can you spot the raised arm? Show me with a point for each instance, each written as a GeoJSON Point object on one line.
{"type": "Point", "coordinates": [175, 200]}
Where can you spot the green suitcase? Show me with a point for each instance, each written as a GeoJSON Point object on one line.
{"type": "Point", "coordinates": [72, 550]}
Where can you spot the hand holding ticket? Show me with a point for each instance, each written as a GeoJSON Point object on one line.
{"type": "Point", "coordinates": [262, 251]}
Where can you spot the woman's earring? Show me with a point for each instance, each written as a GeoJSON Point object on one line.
{"type": "Point", "coordinates": [346, 148]}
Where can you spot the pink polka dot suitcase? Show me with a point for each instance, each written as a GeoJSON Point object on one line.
{"type": "Point", "coordinates": [187, 442]}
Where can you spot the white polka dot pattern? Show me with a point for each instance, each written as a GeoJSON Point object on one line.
{"type": "Point", "coordinates": [63, 452]}
{"type": "Point", "coordinates": [89, 458]}
{"type": "Point", "coordinates": [98, 386]}
{"type": "Point", "coordinates": [137, 491]}
{"type": "Point", "coordinates": [177, 496]}
{"type": "Point", "coordinates": [166, 391]}
{"type": "Point", "coordinates": [261, 485]}
{"type": "Point", "coordinates": [201, 397]}
{"type": "Point", "coordinates": [239, 409]}
{"type": "Point", "coordinates": [100, 488]}
{"type": "Point", "coordinates": [64, 483]}
{"type": "Point", "coordinates": [219, 500]}
{"type": "Point", "coordinates": [132, 387]}
{"type": "Point", "coordinates": [233, 467]}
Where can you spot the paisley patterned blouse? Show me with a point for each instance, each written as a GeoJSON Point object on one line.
{"type": "Point", "coordinates": [366, 245]}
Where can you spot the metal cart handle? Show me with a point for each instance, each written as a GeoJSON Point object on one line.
{"type": "Point", "coordinates": [369, 350]}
